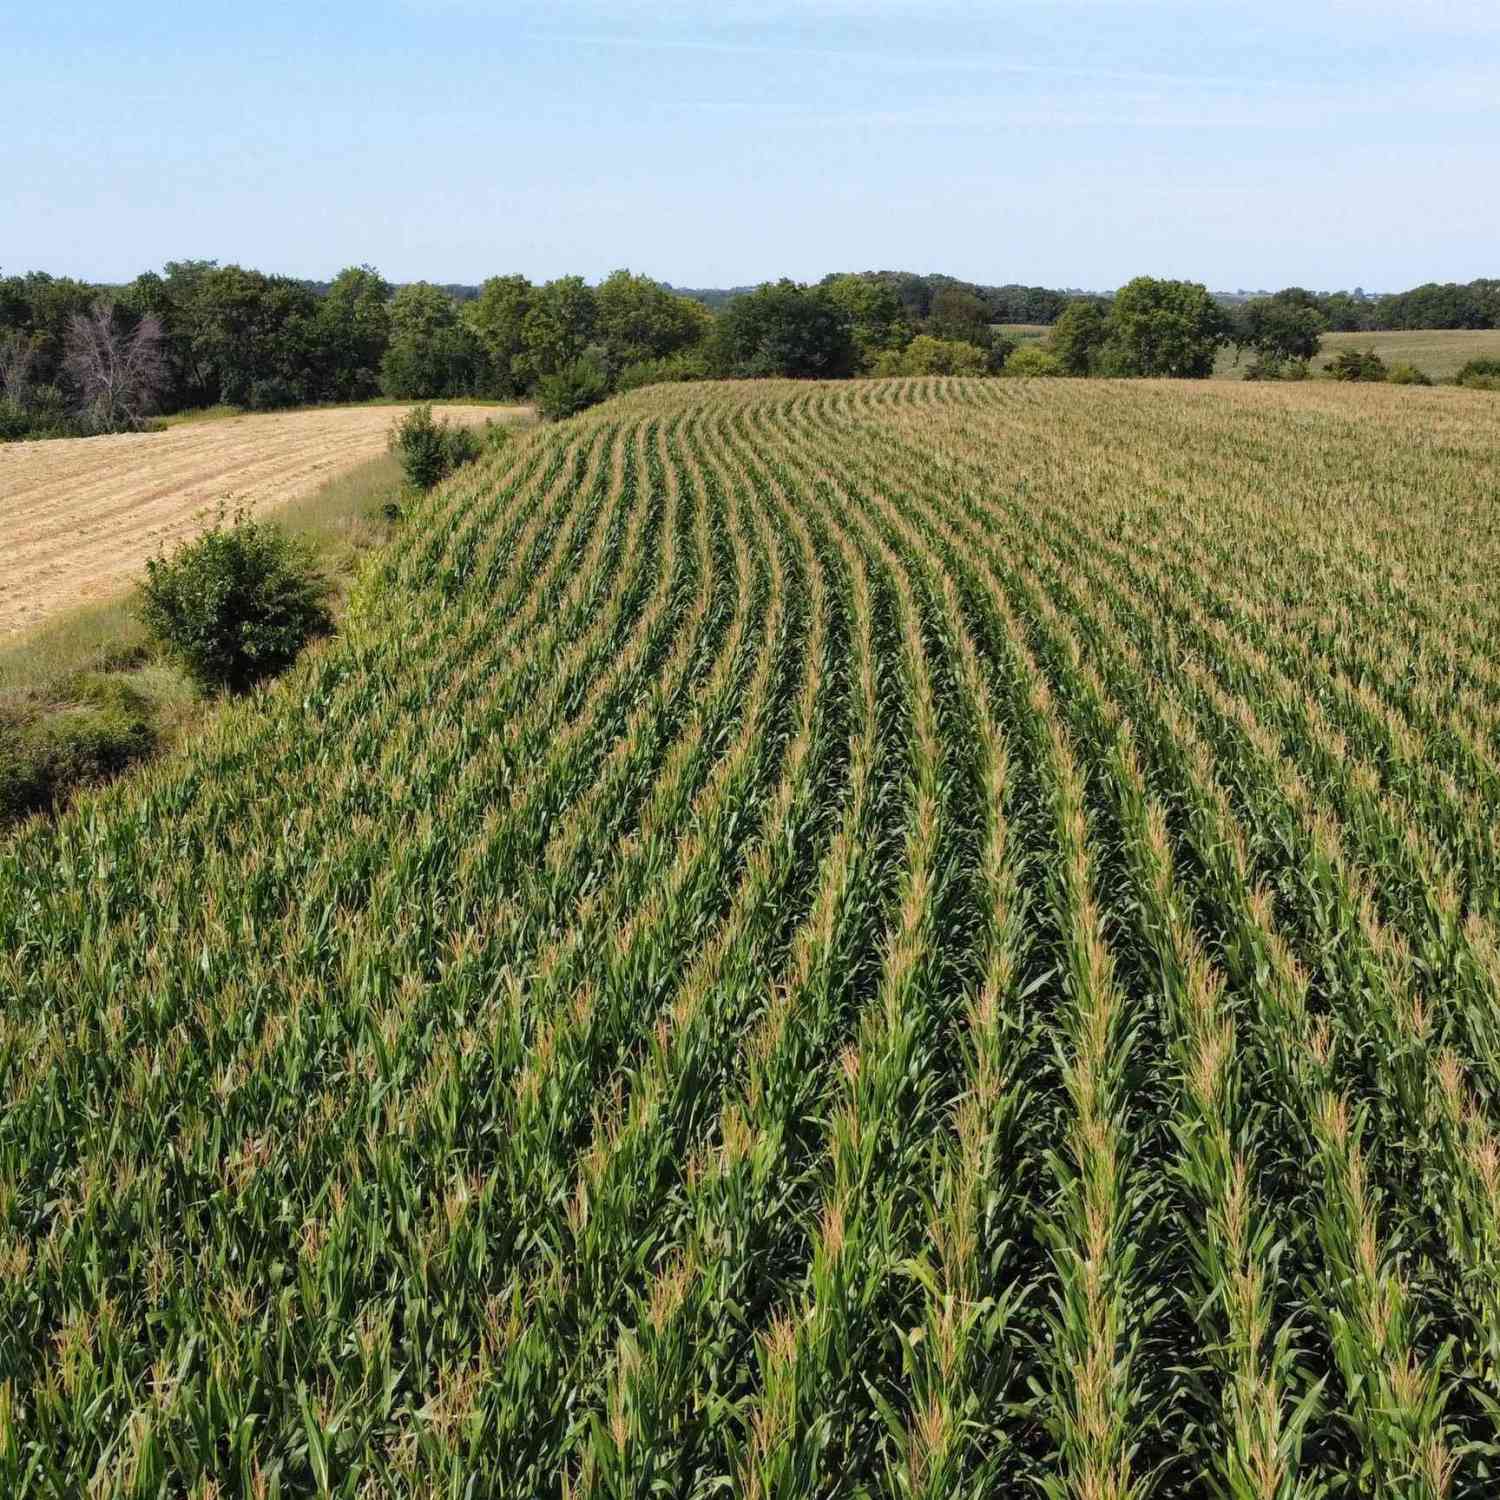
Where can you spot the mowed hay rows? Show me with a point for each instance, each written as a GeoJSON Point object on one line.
{"type": "Point", "coordinates": [80, 516]}
{"type": "Point", "coordinates": [921, 938]}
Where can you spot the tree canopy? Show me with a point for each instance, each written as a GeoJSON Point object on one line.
{"type": "Point", "coordinates": [787, 329]}
{"type": "Point", "coordinates": [1171, 328]}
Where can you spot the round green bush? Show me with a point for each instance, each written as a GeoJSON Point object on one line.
{"type": "Point", "coordinates": [1481, 374]}
{"type": "Point", "coordinates": [1031, 361]}
{"type": "Point", "coordinates": [235, 604]}
{"type": "Point", "coordinates": [573, 389]}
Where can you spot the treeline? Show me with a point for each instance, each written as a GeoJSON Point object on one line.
{"type": "Point", "coordinates": [77, 358]}
{"type": "Point", "coordinates": [1474, 304]}
{"type": "Point", "coordinates": [1439, 305]}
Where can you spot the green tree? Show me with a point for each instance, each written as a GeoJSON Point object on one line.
{"type": "Point", "coordinates": [432, 351]}
{"type": "Point", "coordinates": [1171, 328]}
{"type": "Point", "coordinates": [1284, 327]}
{"type": "Point", "coordinates": [250, 339]}
{"type": "Point", "coordinates": [785, 329]}
{"type": "Point", "coordinates": [178, 296]}
{"type": "Point", "coordinates": [558, 326]}
{"type": "Point", "coordinates": [958, 313]}
{"type": "Point", "coordinates": [38, 310]}
{"type": "Point", "coordinates": [354, 329]}
{"type": "Point", "coordinates": [1082, 329]}
{"type": "Point", "coordinates": [637, 319]}
{"type": "Point", "coordinates": [875, 314]}
{"type": "Point", "coordinates": [497, 317]}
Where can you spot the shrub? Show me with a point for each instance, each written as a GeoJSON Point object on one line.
{"type": "Point", "coordinates": [1357, 364]}
{"type": "Point", "coordinates": [1481, 374]}
{"type": "Point", "coordinates": [430, 450]}
{"type": "Point", "coordinates": [43, 414]}
{"type": "Point", "coordinates": [421, 445]}
{"type": "Point", "coordinates": [460, 447]}
{"type": "Point", "coordinates": [1263, 367]}
{"type": "Point", "coordinates": [929, 355]}
{"type": "Point", "coordinates": [1031, 361]}
{"type": "Point", "coordinates": [15, 421]}
{"type": "Point", "coordinates": [1274, 367]}
{"type": "Point", "coordinates": [235, 604]}
{"type": "Point", "coordinates": [573, 389]}
{"type": "Point", "coordinates": [273, 394]}
{"type": "Point", "coordinates": [106, 729]}
{"type": "Point", "coordinates": [688, 364]}
{"type": "Point", "coordinates": [1404, 374]}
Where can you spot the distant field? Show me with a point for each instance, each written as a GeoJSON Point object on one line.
{"type": "Point", "coordinates": [81, 515]}
{"type": "Point", "coordinates": [928, 938]}
{"type": "Point", "coordinates": [1438, 352]}
{"type": "Point", "coordinates": [1024, 333]}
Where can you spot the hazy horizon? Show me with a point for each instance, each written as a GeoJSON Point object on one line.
{"type": "Point", "coordinates": [1331, 144]}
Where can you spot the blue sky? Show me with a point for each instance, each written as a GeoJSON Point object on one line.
{"type": "Point", "coordinates": [1073, 142]}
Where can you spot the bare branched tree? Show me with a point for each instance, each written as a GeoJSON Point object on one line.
{"type": "Point", "coordinates": [120, 374]}
{"type": "Point", "coordinates": [16, 358]}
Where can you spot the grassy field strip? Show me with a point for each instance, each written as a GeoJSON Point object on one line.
{"type": "Point", "coordinates": [1438, 352]}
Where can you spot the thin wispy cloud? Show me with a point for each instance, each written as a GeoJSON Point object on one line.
{"type": "Point", "coordinates": [909, 62]}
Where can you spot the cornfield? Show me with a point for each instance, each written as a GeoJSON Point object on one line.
{"type": "Point", "coordinates": [917, 938]}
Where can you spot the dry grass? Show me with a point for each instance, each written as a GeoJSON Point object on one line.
{"type": "Point", "coordinates": [82, 515]}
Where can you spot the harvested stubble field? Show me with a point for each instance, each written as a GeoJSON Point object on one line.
{"type": "Point", "coordinates": [80, 516]}
{"type": "Point", "coordinates": [919, 938]}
